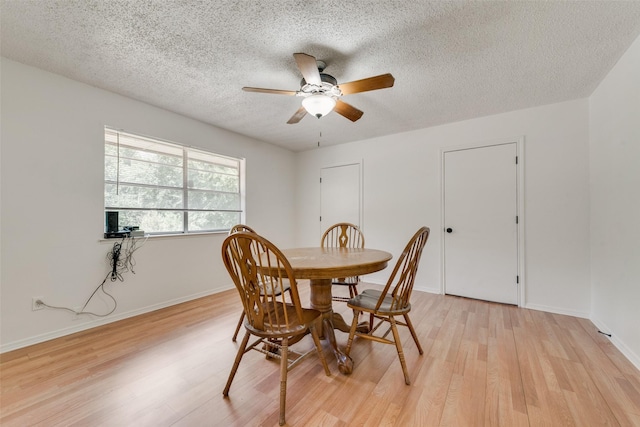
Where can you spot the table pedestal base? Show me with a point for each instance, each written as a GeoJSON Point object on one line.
{"type": "Point", "coordinates": [340, 324]}
{"type": "Point", "coordinates": [321, 301]}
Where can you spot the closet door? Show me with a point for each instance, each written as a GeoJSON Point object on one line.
{"type": "Point", "coordinates": [480, 220]}
{"type": "Point", "coordinates": [340, 195]}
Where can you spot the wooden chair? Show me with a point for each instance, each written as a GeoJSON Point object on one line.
{"type": "Point", "coordinates": [278, 320]}
{"type": "Point", "coordinates": [241, 227]}
{"type": "Point", "coordinates": [344, 235]}
{"type": "Point", "coordinates": [392, 301]}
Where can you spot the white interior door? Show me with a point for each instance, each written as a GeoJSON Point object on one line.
{"type": "Point", "coordinates": [480, 219]}
{"type": "Point", "coordinates": [339, 195]}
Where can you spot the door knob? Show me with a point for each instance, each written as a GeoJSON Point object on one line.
{"type": "Point", "coordinates": [449, 230]}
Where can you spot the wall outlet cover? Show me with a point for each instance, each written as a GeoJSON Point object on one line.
{"type": "Point", "coordinates": [35, 306]}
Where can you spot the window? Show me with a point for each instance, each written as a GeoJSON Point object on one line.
{"type": "Point", "coordinates": [166, 188]}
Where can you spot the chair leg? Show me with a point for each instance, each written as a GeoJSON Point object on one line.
{"type": "Point", "coordinates": [352, 331]}
{"type": "Point", "coordinates": [316, 340]}
{"type": "Point", "coordinates": [284, 368]}
{"type": "Point", "coordinates": [236, 363]}
{"type": "Point", "coordinates": [413, 332]}
{"type": "Point", "coordinates": [235, 334]}
{"type": "Point", "coordinates": [396, 338]}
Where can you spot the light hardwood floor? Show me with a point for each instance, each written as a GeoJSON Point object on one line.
{"type": "Point", "coordinates": [483, 364]}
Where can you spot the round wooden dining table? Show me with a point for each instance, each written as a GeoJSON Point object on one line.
{"type": "Point", "coordinates": [320, 265]}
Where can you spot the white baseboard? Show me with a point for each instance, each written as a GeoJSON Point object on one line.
{"type": "Point", "coordinates": [557, 310]}
{"type": "Point", "coordinates": [620, 345]}
{"type": "Point", "coordinates": [427, 290]}
{"type": "Point", "coordinates": [104, 321]}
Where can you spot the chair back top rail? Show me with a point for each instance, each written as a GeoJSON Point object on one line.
{"type": "Point", "coordinates": [342, 235]}
{"type": "Point", "coordinates": [241, 227]}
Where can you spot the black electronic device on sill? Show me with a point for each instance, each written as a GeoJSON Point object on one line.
{"type": "Point", "coordinates": [116, 234]}
{"type": "Point", "coordinates": [111, 221]}
{"type": "Point", "coordinates": [112, 230]}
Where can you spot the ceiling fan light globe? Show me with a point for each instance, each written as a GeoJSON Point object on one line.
{"type": "Point", "coordinates": [318, 105]}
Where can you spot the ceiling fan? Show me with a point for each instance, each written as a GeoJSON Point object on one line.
{"type": "Point", "coordinates": [321, 92]}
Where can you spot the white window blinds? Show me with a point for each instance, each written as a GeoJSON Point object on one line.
{"type": "Point", "coordinates": [166, 188]}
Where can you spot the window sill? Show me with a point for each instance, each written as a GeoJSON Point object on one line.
{"type": "Point", "coordinates": [168, 236]}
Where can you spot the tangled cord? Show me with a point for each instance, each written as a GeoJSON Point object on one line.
{"type": "Point", "coordinates": [120, 263]}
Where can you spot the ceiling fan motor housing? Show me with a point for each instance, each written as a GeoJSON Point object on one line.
{"type": "Point", "coordinates": [325, 78]}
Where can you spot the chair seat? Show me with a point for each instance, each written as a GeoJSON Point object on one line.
{"type": "Point", "coordinates": [372, 292]}
{"type": "Point", "coordinates": [295, 326]}
{"type": "Point", "coordinates": [268, 289]}
{"type": "Point", "coordinates": [368, 299]}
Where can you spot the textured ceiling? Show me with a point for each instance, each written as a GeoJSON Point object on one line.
{"type": "Point", "coordinates": [452, 60]}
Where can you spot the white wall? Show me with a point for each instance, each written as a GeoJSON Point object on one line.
{"type": "Point", "coordinates": [615, 203]}
{"type": "Point", "coordinates": [402, 192]}
{"type": "Point", "coordinates": [582, 248]}
{"type": "Point", "coordinates": [52, 171]}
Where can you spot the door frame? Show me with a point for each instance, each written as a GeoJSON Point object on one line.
{"type": "Point", "coordinates": [520, 212]}
{"type": "Point", "coordinates": [360, 164]}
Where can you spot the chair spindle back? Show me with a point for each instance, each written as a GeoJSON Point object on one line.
{"type": "Point", "coordinates": [259, 271]}
{"type": "Point", "coordinates": [342, 235]}
{"type": "Point", "coordinates": [404, 273]}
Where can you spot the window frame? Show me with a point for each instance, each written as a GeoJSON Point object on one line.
{"type": "Point", "coordinates": [187, 154]}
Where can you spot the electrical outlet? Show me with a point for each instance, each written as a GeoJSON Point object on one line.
{"type": "Point", "coordinates": [35, 306]}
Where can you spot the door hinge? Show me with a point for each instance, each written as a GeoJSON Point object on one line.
{"type": "Point", "coordinates": [320, 180]}
{"type": "Point", "coordinates": [517, 219]}
{"type": "Point", "coordinates": [517, 279]}
{"type": "Point", "coordinates": [516, 160]}
{"type": "Point", "coordinates": [320, 218]}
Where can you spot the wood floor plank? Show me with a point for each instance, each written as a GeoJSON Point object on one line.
{"type": "Point", "coordinates": [609, 380]}
{"type": "Point", "coordinates": [465, 403]}
{"type": "Point", "coordinates": [484, 364]}
{"type": "Point", "coordinates": [545, 401]}
{"type": "Point", "coordinates": [426, 403]}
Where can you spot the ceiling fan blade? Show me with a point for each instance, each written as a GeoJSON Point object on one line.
{"type": "Point", "coordinates": [372, 83]}
{"type": "Point", "coordinates": [297, 116]}
{"type": "Point", "coordinates": [308, 67]}
{"type": "Point", "coordinates": [348, 111]}
{"type": "Point", "coordinates": [273, 91]}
